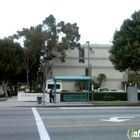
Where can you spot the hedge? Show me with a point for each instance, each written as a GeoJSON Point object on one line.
{"type": "Point", "coordinates": [99, 96]}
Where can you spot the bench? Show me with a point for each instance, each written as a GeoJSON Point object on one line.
{"type": "Point", "coordinates": [74, 98]}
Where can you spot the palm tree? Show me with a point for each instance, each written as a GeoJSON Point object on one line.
{"type": "Point", "coordinates": [80, 84]}
{"type": "Point", "coordinates": [101, 77]}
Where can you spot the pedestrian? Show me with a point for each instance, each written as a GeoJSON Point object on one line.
{"type": "Point", "coordinates": [51, 95]}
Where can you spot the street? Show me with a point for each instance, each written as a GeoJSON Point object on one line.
{"type": "Point", "coordinates": [69, 123]}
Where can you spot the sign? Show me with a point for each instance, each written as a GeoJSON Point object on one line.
{"type": "Point", "coordinates": [33, 97]}
{"type": "Point", "coordinates": [132, 133]}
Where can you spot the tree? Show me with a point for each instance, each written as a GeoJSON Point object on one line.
{"type": "Point", "coordinates": [134, 79]}
{"type": "Point", "coordinates": [125, 51]}
{"type": "Point", "coordinates": [60, 37]}
{"type": "Point", "coordinates": [15, 81]}
{"type": "Point", "coordinates": [11, 60]}
{"type": "Point", "coordinates": [32, 45]}
{"type": "Point", "coordinates": [101, 77]}
{"type": "Point", "coordinates": [80, 84]}
{"type": "Point", "coordinates": [96, 85]}
{"type": "Point", "coordinates": [54, 38]}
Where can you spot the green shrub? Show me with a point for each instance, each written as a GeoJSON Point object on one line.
{"type": "Point", "coordinates": [98, 96]}
{"type": "Point", "coordinates": [64, 91]}
{"type": "Point", "coordinates": [108, 98]}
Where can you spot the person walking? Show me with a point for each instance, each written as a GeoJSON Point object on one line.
{"type": "Point", "coordinates": [51, 95]}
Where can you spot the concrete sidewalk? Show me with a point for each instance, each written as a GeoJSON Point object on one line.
{"type": "Point", "coordinates": [13, 102]}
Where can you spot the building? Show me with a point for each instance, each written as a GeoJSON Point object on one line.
{"type": "Point", "coordinates": [77, 65]}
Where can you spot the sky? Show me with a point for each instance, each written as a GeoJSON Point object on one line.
{"type": "Point", "coordinates": [97, 19]}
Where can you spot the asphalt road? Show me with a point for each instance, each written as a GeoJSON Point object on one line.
{"type": "Point", "coordinates": [89, 123]}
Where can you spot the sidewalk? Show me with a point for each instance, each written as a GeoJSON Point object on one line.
{"type": "Point", "coordinates": [13, 102]}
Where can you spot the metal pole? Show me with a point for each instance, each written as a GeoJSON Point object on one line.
{"type": "Point", "coordinates": [88, 71]}
{"type": "Point", "coordinates": [44, 74]}
{"type": "Point", "coordinates": [55, 91]}
{"type": "Point", "coordinates": [44, 94]}
{"type": "Point", "coordinates": [44, 81]}
{"type": "Point", "coordinates": [92, 88]}
{"type": "Point", "coordinates": [88, 59]}
{"type": "Point", "coordinates": [88, 91]}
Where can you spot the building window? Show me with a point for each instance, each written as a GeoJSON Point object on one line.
{"type": "Point", "coordinates": [86, 71]}
{"type": "Point", "coordinates": [81, 56]}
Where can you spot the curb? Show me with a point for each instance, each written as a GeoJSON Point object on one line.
{"type": "Point", "coordinates": [55, 106]}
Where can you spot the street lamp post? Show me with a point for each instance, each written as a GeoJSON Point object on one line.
{"type": "Point", "coordinates": [44, 81]}
{"type": "Point", "coordinates": [88, 58]}
{"type": "Point", "coordinates": [44, 74]}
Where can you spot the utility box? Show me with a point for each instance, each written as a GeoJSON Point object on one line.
{"type": "Point", "coordinates": [132, 95]}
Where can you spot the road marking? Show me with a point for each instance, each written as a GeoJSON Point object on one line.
{"type": "Point", "coordinates": [91, 125]}
{"type": "Point", "coordinates": [41, 128]}
{"type": "Point", "coordinates": [66, 117]}
{"type": "Point", "coordinates": [118, 119]}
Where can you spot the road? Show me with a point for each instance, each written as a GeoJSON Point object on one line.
{"type": "Point", "coordinates": [98, 123]}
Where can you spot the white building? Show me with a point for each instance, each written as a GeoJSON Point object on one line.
{"type": "Point", "coordinates": [77, 65]}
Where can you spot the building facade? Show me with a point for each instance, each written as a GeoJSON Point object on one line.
{"type": "Point", "coordinates": [78, 62]}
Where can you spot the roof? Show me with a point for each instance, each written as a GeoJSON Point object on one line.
{"type": "Point", "coordinates": [70, 78]}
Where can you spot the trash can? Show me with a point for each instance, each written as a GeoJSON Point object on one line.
{"type": "Point", "coordinates": [39, 100]}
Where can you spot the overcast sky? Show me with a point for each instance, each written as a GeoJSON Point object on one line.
{"type": "Point", "coordinates": [97, 19]}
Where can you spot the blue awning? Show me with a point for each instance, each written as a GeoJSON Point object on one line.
{"type": "Point", "coordinates": [72, 78]}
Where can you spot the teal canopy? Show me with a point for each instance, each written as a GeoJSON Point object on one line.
{"type": "Point", "coordinates": [73, 78]}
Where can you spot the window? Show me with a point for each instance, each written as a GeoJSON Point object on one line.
{"type": "Point", "coordinates": [81, 56]}
{"type": "Point", "coordinates": [86, 72]}
{"type": "Point", "coordinates": [52, 85]}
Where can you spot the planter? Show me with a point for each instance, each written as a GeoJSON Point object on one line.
{"type": "Point", "coordinates": [33, 97]}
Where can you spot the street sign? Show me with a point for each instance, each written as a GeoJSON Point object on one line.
{"type": "Point", "coordinates": [118, 119]}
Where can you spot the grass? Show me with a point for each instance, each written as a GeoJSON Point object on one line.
{"type": "Point", "coordinates": [2, 99]}
{"type": "Point", "coordinates": [113, 103]}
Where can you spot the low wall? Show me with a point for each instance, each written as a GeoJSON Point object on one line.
{"type": "Point", "coordinates": [33, 97]}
